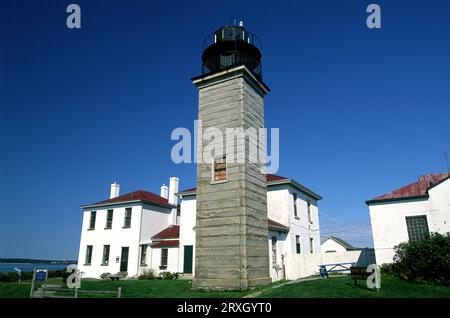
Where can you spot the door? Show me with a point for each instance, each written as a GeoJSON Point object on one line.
{"type": "Point", "coordinates": [187, 267]}
{"type": "Point", "coordinates": [124, 259]}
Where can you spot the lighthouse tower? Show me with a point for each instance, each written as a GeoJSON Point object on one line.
{"type": "Point", "coordinates": [231, 249]}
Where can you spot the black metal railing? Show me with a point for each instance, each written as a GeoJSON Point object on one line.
{"type": "Point", "coordinates": [231, 46]}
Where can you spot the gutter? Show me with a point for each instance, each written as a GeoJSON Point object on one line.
{"type": "Point", "coordinates": [88, 206]}
{"type": "Point", "coordinates": [294, 183]}
{"type": "Point", "coordinates": [415, 197]}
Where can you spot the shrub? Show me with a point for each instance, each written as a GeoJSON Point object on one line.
{"type": "Point", "coordinates": [168, 275]}
{"type": "Point", "coordinates": [386, 269]}
{"type": "Point", "coordinates": [105, 275]}
{"type": "Point", "coordinates": [9, 277]}
{"type": "Point", "coordinates": [424, 261]}
{"type": "Point", "coordinates": [148, 274]}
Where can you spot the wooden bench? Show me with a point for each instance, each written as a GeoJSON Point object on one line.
{"type": "Point", "coordinates": [359, 273]}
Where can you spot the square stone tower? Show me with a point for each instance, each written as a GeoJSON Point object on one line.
{"type": "Point", "coordinates": [231, 249]}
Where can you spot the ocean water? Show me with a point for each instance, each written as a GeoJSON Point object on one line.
{"type": "Point", "coordinates": [26, 267]}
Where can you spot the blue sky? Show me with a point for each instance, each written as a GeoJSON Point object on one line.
{"type": "Point", "coordinates": [361, 112]}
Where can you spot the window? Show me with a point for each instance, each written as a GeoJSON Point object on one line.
{"type": "Point", "coordinates": [164, 254]}
{"type": "Point", "coordinates": [417, 227]}
{"type": "Point", "coordinates": [220, 169]}
{"type": "Point", "coordinates": [88, 255]}
{"type": "Point", "coordinates": [143, 254]}
{"type": "Point", "coordinates": [109, 219]}
{"type": "Point", "coordinates": [127, 222]}
{"type": "Point", "coordinates": [297, 243]}
{"type": "Point", "coordinates": [294, 196]}
{"type": "Point", "coordinates": [311, 245]}
{"type": "Point", "coordinates": [309, 212]}
{"type": "Point", "coordinates": [92, 220]}
{"type": "Point", "coordinates": [105, 259]}
{"type": "Point", "coordinates": [274, 250]}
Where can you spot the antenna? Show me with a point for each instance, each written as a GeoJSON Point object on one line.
{"type": "Point", "coordinates": [446, 160]}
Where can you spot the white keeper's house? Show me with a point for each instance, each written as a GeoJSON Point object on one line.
{"type": "Point", "coordinates": [142, 230]}
{"type": "Point", "coordinates": [410, 213]}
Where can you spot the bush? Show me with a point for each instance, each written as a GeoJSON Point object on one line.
{"type": "Point", "coordinates": [168, 275]}
{"type": "Point", "coordinates": [105, 275]}
{"type": "Point", "coordinates": [9, 277]}
{"type": "Point", "coordinates": [147, 275]}
{"type": "Point", "coordinates": [386, 269]}
{"type": "Point", "coordinates": [424, 261]}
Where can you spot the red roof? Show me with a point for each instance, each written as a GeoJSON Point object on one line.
{"type": "Point", "coordinates": [274, 177]}
{"type": "Point", "coordinates": [139, 195]}
{"type": "Point", "coordinates": [274, 224]}
{"type": "Point", "coordinates": [170, 232]}
{"type": "Point", "coordinates": [172, 243]}
{"type": "Point", "coordinates": [269, 178]}
{"type": "Point", "coordinates": [419, 188]}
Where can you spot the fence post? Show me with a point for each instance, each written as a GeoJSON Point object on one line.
{"type": "Point", "coordinates": [119, 292]}
{"type": "Point", "coordinates": [32, 283]}
{"type": "Point", "coordinates": [76, 292]}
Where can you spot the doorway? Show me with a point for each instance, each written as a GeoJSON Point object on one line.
{"type": "Point", "coordinates": [187, 264]}
{"type": "Point", "coordinates": [124, 259]}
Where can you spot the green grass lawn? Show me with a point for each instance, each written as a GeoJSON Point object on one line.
{"type": "Point", "coordinates": [21, 290]}
{"type": "Point", "coordinates": [130, 288]}
{"type": "Point", "coordinates": [332, 287]}
{"type": "Point", "coordinates": [391, 287]}
{"type": "Point", "coordinates": [154, 289]}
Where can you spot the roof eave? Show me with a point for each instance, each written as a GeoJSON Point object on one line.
{"type": "Point", "coordinates": [297, 185]}
{"type": "Point", "coordinates": [278, 228]}
{"type": "Point", "coordinates": [438, 183]}
{"type": "Point", "coordinates": [387, 200]}
{"type": "Point", "coordinates": [273, 183]}
{"type": "Point", "coordinates": [96, 205]}
{"type": "Point", "coordinates": [185, 193]}
{"type": "Point", "coordinates": [159, 239]}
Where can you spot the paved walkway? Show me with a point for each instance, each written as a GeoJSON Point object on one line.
{"type": "Point", "coordinates": [256, 294]}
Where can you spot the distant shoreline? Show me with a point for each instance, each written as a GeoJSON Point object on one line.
{"type": "Point", "coordinates": [35, 261]}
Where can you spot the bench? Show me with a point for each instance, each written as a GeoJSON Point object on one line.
{"type": "Point", "coordinates": [334, 268]}
{"type": "Point", "coordinates": [359, 273]}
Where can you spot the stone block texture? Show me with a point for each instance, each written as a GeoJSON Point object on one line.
{"type": "Point", "coordinates": [231, 232]}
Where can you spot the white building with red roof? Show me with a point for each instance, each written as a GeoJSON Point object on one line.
{"type": "Point", "coordinates": [410, 213]}
{"type": "Point", "coordinates": [117, 233]}
{"type": "Point", "coordinates": [293, 223]}
{"type": "Point", "coordinates": [142, 230]}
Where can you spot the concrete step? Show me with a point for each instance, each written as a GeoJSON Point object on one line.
{"type": "Point", "coordinates": [186, 277]}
